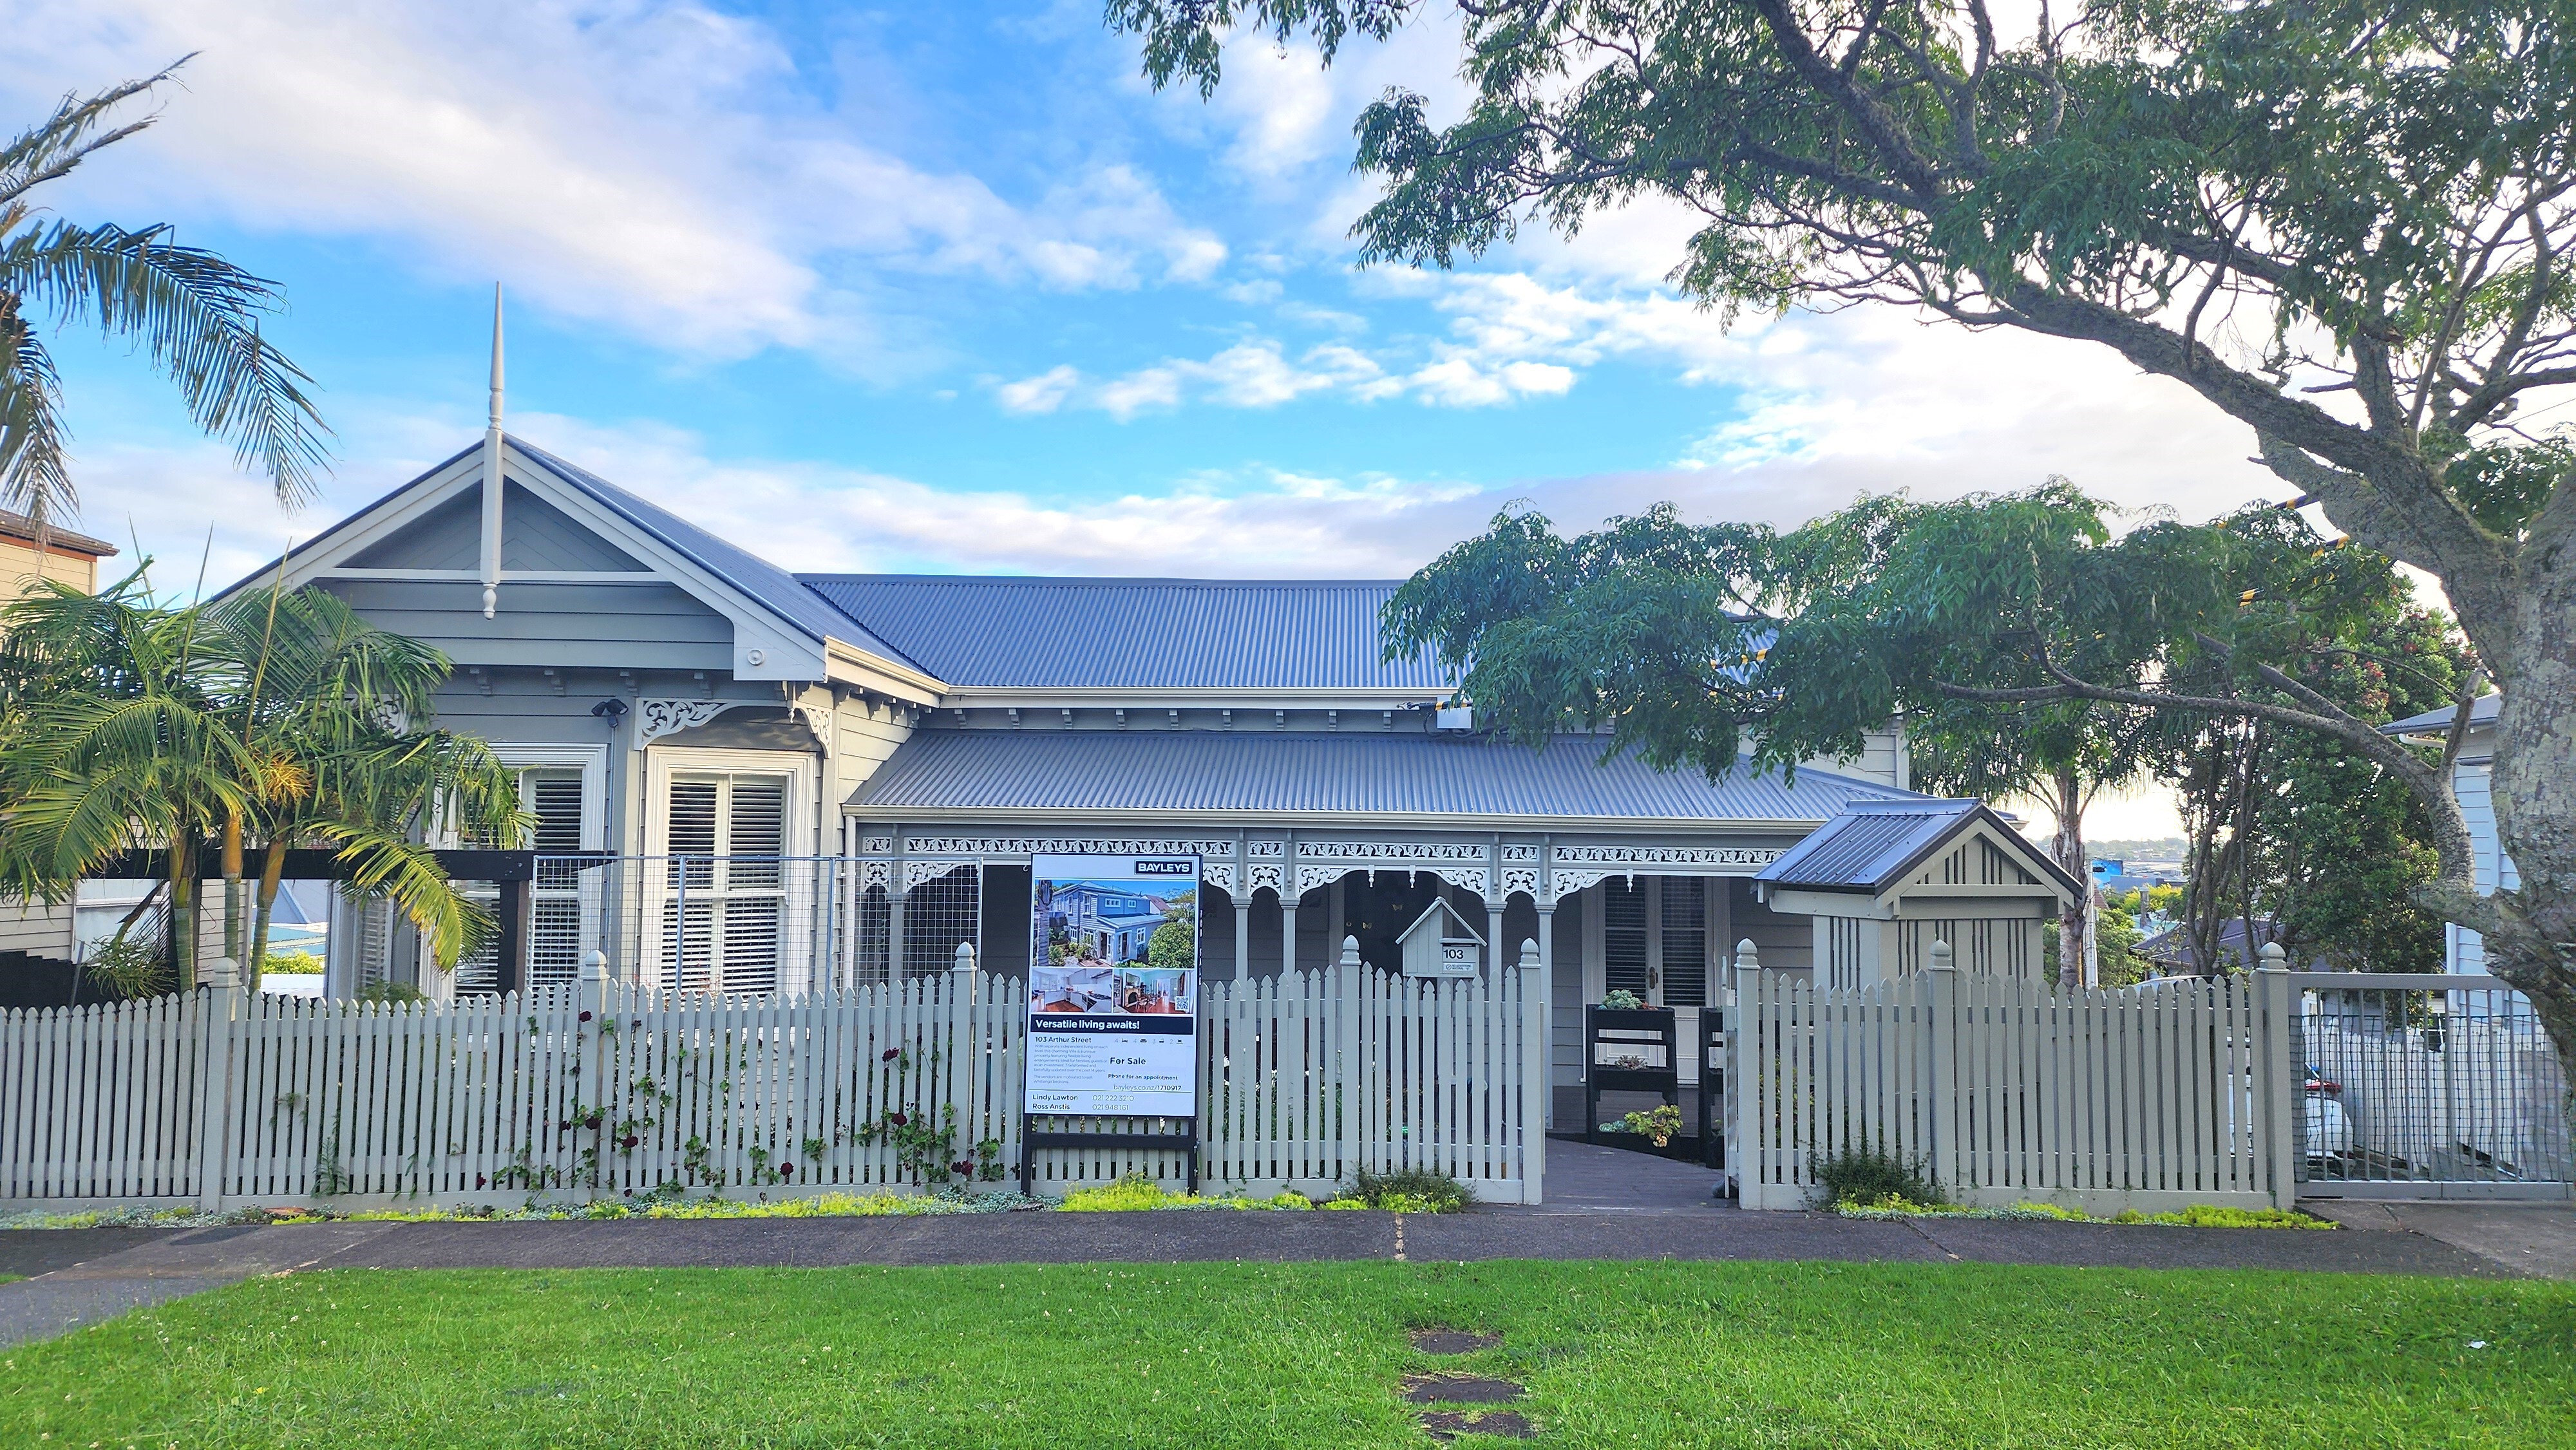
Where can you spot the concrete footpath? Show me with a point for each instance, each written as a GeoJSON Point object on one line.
{"type": "Point", "coordinates": [1613, 1206]}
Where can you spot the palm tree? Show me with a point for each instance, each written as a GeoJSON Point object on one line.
{"type": "Point", "coordinates": [196, 315]}
{"type": "Point", "coordinates": [265, 722]}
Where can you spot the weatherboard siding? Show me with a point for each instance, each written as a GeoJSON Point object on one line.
{"type": "Point", "coordinates": [534, 535]}
{"type": "Point", "coordinates": [596, 626]}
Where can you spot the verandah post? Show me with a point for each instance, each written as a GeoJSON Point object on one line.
{"type": "Point", "coordinates": [222, 1000]}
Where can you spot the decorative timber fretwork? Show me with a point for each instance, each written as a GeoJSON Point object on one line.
{"type": "Point", "coordinates": [818, 718]}
{"type": "Point", "coordinates": [1492, 871]}
{"type": "Point", "coordinates": [988, 846]}
{"type": "Point", "coordinates": [1702, 856]}
{"type": "Point", "coordinates": [657, 718]}
{"type": "Point", "coordinates": [917, 872]}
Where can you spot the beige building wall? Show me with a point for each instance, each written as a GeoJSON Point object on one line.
{"type": "Point", "coordinates": [72, 559]}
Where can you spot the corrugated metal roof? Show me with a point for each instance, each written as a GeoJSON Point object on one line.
{"type": "Point", "coordinates": [1354, 774]}
{"type": "Point", "coordinates": [1133, 633]}
{"type": "Point", "coordinates": [1873, 844]}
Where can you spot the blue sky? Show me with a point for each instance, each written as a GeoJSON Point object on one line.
{"type": "Point", "coordinates": [947, 287]}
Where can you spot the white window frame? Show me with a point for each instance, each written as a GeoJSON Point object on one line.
{"type": "Point", "coordinates": [663, 764]}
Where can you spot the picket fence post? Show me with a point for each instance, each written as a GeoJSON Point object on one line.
{"type": "Point", "coordinates": [2272, 1003]}
{"type": "Point", "coordinates": [1345, 987]}
{"type": "Point", "coordinates": [965, 1045]}
{"type": "Point", "coordinates": [1534, 1055]}
{"type": "Point", "coordinates": [223, 1004]}
{"type": "Point", "coordinates": [1941, 1020]}
{"type": "Point", "coordinates": [1746, 1079]}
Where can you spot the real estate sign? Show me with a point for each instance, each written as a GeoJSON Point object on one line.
{"type": "Point", "coordinates": [1114, 986]}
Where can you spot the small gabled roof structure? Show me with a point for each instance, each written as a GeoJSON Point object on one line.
{"type": "Point", "coordinates": [1885, 850]}
{"type": "Point", "coordinates": [1443, 920]}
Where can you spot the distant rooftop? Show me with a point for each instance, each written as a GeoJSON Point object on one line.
{"type": "Point", "coordinates": [19, 526]}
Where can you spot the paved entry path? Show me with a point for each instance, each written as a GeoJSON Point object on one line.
{"type": "Point", "coordinates": [1666, 1212]}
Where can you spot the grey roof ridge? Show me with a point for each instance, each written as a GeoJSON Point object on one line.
{"type": "Point", "coordinates": [1168, 580]}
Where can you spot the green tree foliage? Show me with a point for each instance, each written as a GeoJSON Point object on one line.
{"type": "Point", "coordinates": [195, 315]}
{"type": "Point", "coordinates": [2343, 223]}
{"type": "Point", "coordinates": [2298, 828]}
{"type": "Point", "coordinates": [263, 722]}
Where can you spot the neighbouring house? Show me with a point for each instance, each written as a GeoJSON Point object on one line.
{"type": "Point", "coordinates": [56, 934]}
{"type": "Point", "coordinates": [2464, 950]}
{"type": "Point", "coordinates": [793, 780]}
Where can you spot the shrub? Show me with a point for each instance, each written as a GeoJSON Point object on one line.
{"type": "Point", "coordinates": [1137, 1191]}
{"type": "Point", "coordinates": [391, 992]}
{"type": "Point", "coordinates": [1620, 999]}
{"type": "Point", "coordinates": [1411, 1190]}
{"type": "Point", "coordinates": [292, 964]}
{"type": "Point", "coordinates": [1661, 1124]}
{"type": "Point", "coordinates": [1868, 1176]}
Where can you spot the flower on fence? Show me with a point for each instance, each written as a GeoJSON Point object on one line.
{"type": "Point", "coordinates": [591, 1122]}
{"type": "Point", "coordinates": [890, 1054]}
{"type": "Point", "coordinates": [585, 1016]}
{"type": "Point", "coordinates": [897, 1119]}
{"type": "Point", "coordinates": [787, 1170]}
{"type": "Point", "coordinates": [628, 1142]}
{"type": "Point", "coordinates": [481, 1182]}
{"type": "Point", "coordinates": [962, 1166]}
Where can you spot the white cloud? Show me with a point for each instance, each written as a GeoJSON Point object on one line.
{"type": "Point", "coordinates": [1041, 394]}
{"type": "Point", "coordinates": [645, 164]}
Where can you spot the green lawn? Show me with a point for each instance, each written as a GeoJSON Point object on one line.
{"type": "Point", "coordinates": [1236, 1355]}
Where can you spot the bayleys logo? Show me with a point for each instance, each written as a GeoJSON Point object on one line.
{"type": "Point", "coordinates": [1167, 868]}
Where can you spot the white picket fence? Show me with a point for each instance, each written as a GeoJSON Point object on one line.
{"type": "Point", "coordinates": [604, 1091]}
{"type": "Point", "coordinates": [2003, 1091]}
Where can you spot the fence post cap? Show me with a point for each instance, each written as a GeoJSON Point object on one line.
{"type": "Point", "coordinates": [1350, 952]}
{"type": "Point", "coordinates": [1747, 956]}
{"type": "Point", "coordinates": [1529, 954]}
{"type": "Point", "coordinates": [2270, 958]}
{"type": "Point", "coordinates": [965, 957]}
{"type": "Point", "coordinates": [594, 965]}
{"type": "Point", "coordinates": [223, 973]}
{"type": "Point", "coordinates": [1941, 957]}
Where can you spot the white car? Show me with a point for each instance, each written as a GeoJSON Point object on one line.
{"type": "Point", "coordinates": [2329, 1132]}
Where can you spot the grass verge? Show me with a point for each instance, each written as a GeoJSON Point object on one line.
{"type": "Point", "coordinates": [1215, 1356]}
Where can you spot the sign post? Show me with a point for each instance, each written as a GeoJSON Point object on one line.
{"type": "Point", "coordinates": [1113, 1003]}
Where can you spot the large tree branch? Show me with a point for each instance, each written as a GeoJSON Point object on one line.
{"type": "Point", "coordinates": [1867, 112]}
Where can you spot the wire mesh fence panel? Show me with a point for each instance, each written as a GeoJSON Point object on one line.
{"type": "Point", "coordinates": [2431, 1082]}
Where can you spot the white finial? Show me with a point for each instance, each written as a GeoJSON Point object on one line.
{"type": "Point", "coordinates": [494, 417]}
{"type": "Point", "coordinates": [492, 473]}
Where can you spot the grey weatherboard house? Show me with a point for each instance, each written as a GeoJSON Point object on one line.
{"type": "Point", "coordinates": [860, 767]}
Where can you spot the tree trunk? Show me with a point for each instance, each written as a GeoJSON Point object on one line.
{"type": "Point", "coordinates": [183, 910]}
{"type": "Point", "coordinates": [2075, 925]}
{"type": "Point", "coordinates": [2533, 786]}
{"type": "Point", "coordinates": [233, 893]}
{"type": "Point", "coordinates": [272, 871]}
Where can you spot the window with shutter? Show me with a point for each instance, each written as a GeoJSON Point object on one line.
{"type": "Point", "coordinates": [1685, 981]}
{"type": "Point", "coordinates": [1623, 936]}
{"type": "Point", "coordinates": [725, 902]}
{"type": "Point", "coordinates": [555, 798]}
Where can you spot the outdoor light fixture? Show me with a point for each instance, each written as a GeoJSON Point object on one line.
{"type": "Point", "coordinates": [611, 710]}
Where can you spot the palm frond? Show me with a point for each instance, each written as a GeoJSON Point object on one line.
{"type": "Point", "coordinates": [51, 148]}
{"type": "Point", "coordinates": [198, 316]}
{"type": "Point", "coordinates": [33, 477]}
